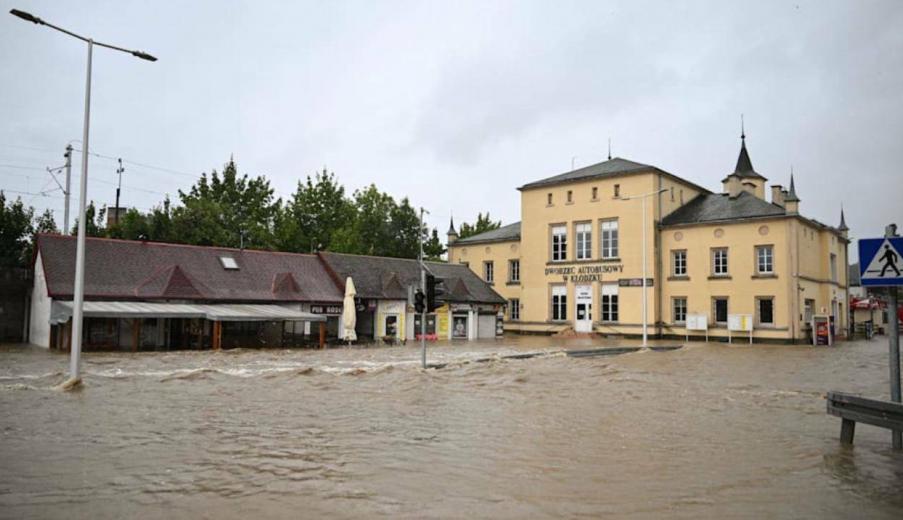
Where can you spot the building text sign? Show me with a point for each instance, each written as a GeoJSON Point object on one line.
{"type": "Point", "coordinates": [584, 273]}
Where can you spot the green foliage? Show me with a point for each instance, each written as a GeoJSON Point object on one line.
{"type": "Point", "coordinates": [433, 249]}
{"type": "Point", "coordinates": [227, 210]}
{"type": "Point", "coordinates": [16, 228]}
{"type": "Point", "coordinates": [311, 219]}
{"type": "Point", "coordinates": [482, 225]}
{"type": "Point", "coordinates": [95, 225]}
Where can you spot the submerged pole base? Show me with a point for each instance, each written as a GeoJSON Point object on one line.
{"type": "Point", "coordinates": [73, 383]}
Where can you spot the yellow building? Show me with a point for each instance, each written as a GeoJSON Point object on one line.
{"type": "Point", "coordinates": [731, 259]}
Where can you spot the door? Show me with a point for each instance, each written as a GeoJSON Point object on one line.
{"type": "Point", "coordinates": [583, 317]}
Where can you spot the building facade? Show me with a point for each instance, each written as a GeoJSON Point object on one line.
{"type": "Point", "coordinates": [732, 257]}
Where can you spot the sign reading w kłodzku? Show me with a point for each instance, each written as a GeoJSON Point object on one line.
{"type": "Point", "coordinates": [585, 273]}
{"type": "Point", "coordinates": [880, 261]}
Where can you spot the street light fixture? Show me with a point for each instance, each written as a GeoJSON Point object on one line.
{"type": "Point", "coordinates": [79, 289]}
{"type": "Point", "coordinates": [643, 198]}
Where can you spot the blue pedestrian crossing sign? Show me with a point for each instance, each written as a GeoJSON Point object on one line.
{"type": "Point", "coordinates": [880, 261]}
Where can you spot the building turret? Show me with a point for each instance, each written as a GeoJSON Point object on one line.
{"type": "Point", "coordinates": [451, 235]}
{"type": "Point", "coordinates": [791, 201]}
{"type": "Point", "coordinates": [844, 230]}
{"type": "Point", "coordinates": [744, 177]}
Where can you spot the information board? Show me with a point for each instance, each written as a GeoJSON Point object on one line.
{"type": "Point", "coordinates": [739, 323]}
{"type": "Point", "coordinates": [697, 322]}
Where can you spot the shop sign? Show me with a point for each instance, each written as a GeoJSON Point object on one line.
{"type": "Point", "coordinates": [634, 282]}
{"type": "Point", "coordinates": [326, 309]}
{"type": "Point", "coordinates": [584, 273]}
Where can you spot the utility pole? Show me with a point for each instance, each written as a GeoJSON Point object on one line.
{"type": "Point", "coordinates": [68, 156]}
{"type": "Point", "coordinates": [118, 188]}
{"type": "Point", "coordinates": [422, 288]}
{"type": "Point", "coordinates": [894, 345]}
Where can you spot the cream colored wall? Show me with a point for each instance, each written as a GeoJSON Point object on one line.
{"type": "Point", "coordinates": [676, 195]}
{"type": "Point", "coordinates": [743, 284]}
{"type": "Point", "coordinates": [537, 217]}
{"type": "Point", "coordinates": [497, 252]}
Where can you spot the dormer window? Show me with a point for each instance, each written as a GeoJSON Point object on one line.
{"type": "Point", "coordinates": [229, 263]}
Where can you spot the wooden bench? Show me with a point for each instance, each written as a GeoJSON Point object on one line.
{"type": "Point", "coordinates": [853, 409]}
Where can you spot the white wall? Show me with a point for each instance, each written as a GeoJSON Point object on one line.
{"type": "Point", "coordinates": [39, 322]}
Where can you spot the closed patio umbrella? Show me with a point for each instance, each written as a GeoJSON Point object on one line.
{"type": "Point", "coordinates": [349, 313]}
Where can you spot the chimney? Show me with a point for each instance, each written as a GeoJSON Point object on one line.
{"type": "Point", "coordinates": [777, 195]}
{"type": "Point", "coordinates": [732, 186]}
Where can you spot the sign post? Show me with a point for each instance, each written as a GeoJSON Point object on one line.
{"type": "Point", "coordinates": [881, 265]}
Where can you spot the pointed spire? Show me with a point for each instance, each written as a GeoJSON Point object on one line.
{"type": "Point", "coordinates": [843, 221]}
{"type": "Point", "coordinates": [451, 226]}
{"type": "Point", "coordinates": [791, 194]}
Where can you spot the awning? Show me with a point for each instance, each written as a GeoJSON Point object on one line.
{"type": "Point", "coordinates": [61, 311]}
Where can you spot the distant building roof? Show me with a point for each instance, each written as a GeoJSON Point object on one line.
{"type": "Point", "coordinates": [854, 277]}
{"type": "Point", "coordinates": [610, 168]}
{"type": "Point", "coordinates": [719, 206]}
{"type": "Point", "coordinates": [126, 269]}
{"type": "Point", "coordinates": [388, 278]}
{"type": "Point", "coordinates": [502, 234]}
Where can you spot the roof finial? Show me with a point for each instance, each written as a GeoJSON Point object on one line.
{"type": "Point", "coordinates": [843, 220]}
{"type": "Point", "coordinates": [451, 226]}
{"type": "Point", "coordinates": [742, 129]}
{"type": "Point", "coordinates": [609, 148]}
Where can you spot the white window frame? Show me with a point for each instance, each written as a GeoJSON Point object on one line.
{"type": "Point", "coordinates": [608, 303]}
{"type": "Point", "coordinates": [583, 237]}
{"type": "Point", "coordinates": [765, 259]}
{"type": "Point", "coordinates": [514, 309]}
{"type": "Point", "coordinates": [514, 270]}
{"type": "Point", "coordinates": [608, 238]}
{"type": "Point", "coordinates": [489, 271]}
{"type": "Point", "coordinates": [559, 303]}
{"type": "Point", "coordinates": [679, 262]}
{"type": "Point", "coordinates": [679, 309]}
{"type": "Point", "coordinates": [559, 243]}
{"type": "Point", "coordinates": [717, 268]}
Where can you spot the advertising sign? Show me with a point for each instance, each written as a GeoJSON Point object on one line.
{"type": "Point", "coordinates": [739, 323]}
{"type": "Point", "coordinates": [821, 331]}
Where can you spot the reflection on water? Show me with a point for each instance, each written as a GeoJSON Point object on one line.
{"type": "Point", "coordinates": [706, 431]}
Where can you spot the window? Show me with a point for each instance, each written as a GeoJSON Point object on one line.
{"type": "Point", "coordinates": [765, 310]}
{"type": "Point", "coordinates": [559, 302]}
{"type": "Point", "coordinates": [719, 308]}
{"type": "Point", "coordinates": [228, 263]}
{"type": "Point", "coordinates": [672, 193]}
{"type": "Point", "coordinates": [514, 309]}
{"type": "Point", "coordinates": [570, 196]}
{"type": "Point", "coordinates": [514, 271]}
{"type": "Point", "coordinates": [719, 262]}
{"type": "Point", "coordinates": [609, 231]}
{"type": "Point", "coordinates": [549, 199]}
{"type": "Point", "coordinates": [679, 263]}
{"type": "Point", "coordinates": [559, 243]}
{"type": "Point", "coordinates": [617, 190]}
{"type": "Point", "coordinates": [392, 325]}
{"type": "Point", "coordinates": [808, 309]}
{"type": "Point", "coordinates": [584, 235]}
{"type": "Point", "coordinates": [595, 193]}
{"type": "Point", "coordinates": [489, 271]}
{"type": "Point", "coordinates": [679, 309]}
{"type": "Point", "coordinates": [609, 302]}
{"type": "Point", "coordinates": [833, 267]}
{"type": "Point", "coordinates": [765, 259]}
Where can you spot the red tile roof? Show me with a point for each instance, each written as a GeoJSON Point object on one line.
{"type": "Point", "coordinates": [126, 269]}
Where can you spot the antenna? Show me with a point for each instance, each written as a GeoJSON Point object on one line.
{"type": "Point", "coordinates": [609, 148]}
{"type": "Point", "coordinates": [119, 172]}
{"type": "Point", "coordinates": [742, 128]}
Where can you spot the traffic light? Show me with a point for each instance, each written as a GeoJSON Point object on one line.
{"type": "Point", "coordinates": [419, 303]}
{"type": "Point", "coordinates": [434, 290]}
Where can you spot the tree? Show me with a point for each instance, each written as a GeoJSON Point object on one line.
{"type": "Point", "coordinates": [482, 225]}
{"type": "Point", "coordinates": [227, 210]}
{"type": "Point", "coordinates": [433, 248]}
{"type": "Point", "coordinates": [405, 231]}
{"type": "Point", "coordinates": [316, 212]}
{"type": "Point", "coordinates": [15, 231]}
{"type": "Point", "coordinates": [94, 221]}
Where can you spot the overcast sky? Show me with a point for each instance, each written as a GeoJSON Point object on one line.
{"type": "Point", "coordinates": [455, 104]}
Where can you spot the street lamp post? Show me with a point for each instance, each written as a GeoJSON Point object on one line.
{"type": "Point", "coordinates": [79, 289]}
{"type": "Point", "coordinates": [643, 199]}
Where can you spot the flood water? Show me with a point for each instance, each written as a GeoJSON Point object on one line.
{"type": "Point", "coordinates": [711, 431]}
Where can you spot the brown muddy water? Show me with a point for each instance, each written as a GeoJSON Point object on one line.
{"type": "Point", "coordinates": [708, 431]}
